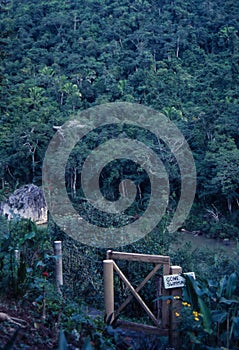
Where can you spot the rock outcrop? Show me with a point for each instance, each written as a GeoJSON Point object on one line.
{"type": "Point", "coordinates": [27, 202]}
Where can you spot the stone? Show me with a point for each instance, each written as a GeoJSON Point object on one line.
{"type": "Point", "coordinates": [27, 202]}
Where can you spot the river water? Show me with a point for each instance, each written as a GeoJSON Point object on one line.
{"type": "Point", "coordinates": [203, 242]}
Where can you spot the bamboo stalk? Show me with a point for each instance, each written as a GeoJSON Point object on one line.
{"type": "Point", "coordinates": [17, 255]}
{"type": "Point", "coordinates": [59, 270]}
{"type": "Point", "coordinates": [109, 289]}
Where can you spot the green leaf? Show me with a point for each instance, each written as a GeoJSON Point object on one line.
{"type": "Point", "coordinates": [235, 327]}
{"type": "Point", "coordinates": [87, 345]}
{"type": "Point", "coordinates": [190, 292]}
{"type": "Point", "coordinates": [219, 316]}
{"type": "Point", "coordinates": [231, 285]}
{"type": "Point", "coordinates": [228, 301]}
{"type": "Point", "coordinates": [206, 315]}
{"type": "Point", "coordinates": [62, 345]}
{"type": "Point", "coordinates": [164, 297]}
{"type": "Point", "coordinates": [193, 338]}
{"type": "Point", "coordinates": [222, 284]}
{"type": "Point", "coordinates": [29, 235]}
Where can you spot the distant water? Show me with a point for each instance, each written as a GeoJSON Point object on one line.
{"type": "Point", "coordinates": [210, 243]}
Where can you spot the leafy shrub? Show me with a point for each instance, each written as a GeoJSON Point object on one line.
{"type": "Point", "coordinates": [210, 314]}
{"type": "Point", "coordinates": [24, 251]}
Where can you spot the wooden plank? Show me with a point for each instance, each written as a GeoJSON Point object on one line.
{"type": "Point", "coordinates": [136, 295]}
{"type": "Point", "coordinates": [140, 286]}
{"type": "Point", "coordinates": [139, 327]}
{"type": "Point", "coordinates": [165, 307]}
{"type": "Point", "coordinates": [174, 270]}
{"type": "Point", "coordinates": [157, 259]}
{"type": "Point", "coordinates": [166, 269]}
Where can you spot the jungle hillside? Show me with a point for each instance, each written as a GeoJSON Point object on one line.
{"type": "Point", "coordinates": [62, 57]}
{"type": "Point", "coordinates": [179, 57]}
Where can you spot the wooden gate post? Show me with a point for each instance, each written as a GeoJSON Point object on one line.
{"type": "Point", "coordinates": [109, 290]}
{"type": "Point", "coordinates": [175, 311]}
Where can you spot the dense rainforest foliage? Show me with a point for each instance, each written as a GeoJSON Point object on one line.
{"type": "Point", "coordinates": [180, 57]}
{"type": "Point", "coordinates": [60, 57]}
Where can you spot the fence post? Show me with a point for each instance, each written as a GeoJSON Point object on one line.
{"type": "Point", "coordinates": [17, 255]}
{"type": "Point", "coordinates": [109, 290]}
{"type": "Point", "coordinates": [175, 311]}
{"type": "Point", "coordinates": [59, 272]}
{"type": "Point", "coordinates": [165, 311]}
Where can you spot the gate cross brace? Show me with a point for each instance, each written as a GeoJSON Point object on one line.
{"type": "Point", "coordinates": [136, 295]}
{"type": "Point", "coordinates": [140, 286]}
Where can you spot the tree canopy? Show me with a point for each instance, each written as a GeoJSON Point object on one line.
{"type": "Point", "coordinates": [179, 57]}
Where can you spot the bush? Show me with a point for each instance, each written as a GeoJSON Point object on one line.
{"type": "Point", "coordinates": [24, 251]}
{"type": "Point", "coordinates": [210, 314]}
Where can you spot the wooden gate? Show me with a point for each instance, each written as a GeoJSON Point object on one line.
{"type": "Point", "coordinates": [166, 324]}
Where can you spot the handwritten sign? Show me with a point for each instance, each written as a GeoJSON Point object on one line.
{"type": "Point", "coordinates": [176, 281]}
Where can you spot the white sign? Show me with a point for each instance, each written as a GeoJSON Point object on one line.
{"type": "Point", "coordinates": [176, 281]}
{"type": "Point", "coordinates": [190, 274]}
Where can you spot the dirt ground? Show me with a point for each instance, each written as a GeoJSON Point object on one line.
{"type": "Point", "coordinates": [30, 331]}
